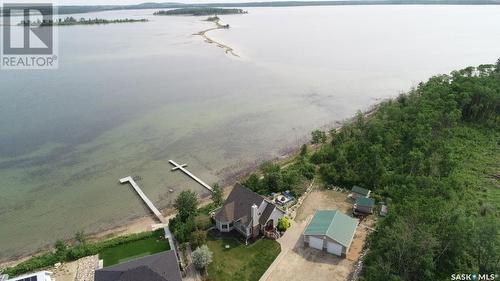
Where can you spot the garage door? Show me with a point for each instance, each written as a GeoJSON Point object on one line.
{"type": "Point", "coordinates": [315, 243]}
{"type": "Point", "coordinates": [334, 248]}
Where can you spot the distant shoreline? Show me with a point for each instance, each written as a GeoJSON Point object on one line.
{"type": "Point", "coordinates": [78, 9]}
{"type": "Point", "coordinates": [199, 11]}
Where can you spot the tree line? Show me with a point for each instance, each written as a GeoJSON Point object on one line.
{"type": "Point", "coordinates": [434, 152]}
{"type": "Point", "coordinates": [199, 11]}
{"type": "Point", "coordinates": [74, 21]}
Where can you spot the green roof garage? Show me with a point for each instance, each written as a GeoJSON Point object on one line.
{"type": "Point", "coordinates": [331, 231]}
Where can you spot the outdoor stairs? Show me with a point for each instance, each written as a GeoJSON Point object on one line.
{"type": "Point", "coordinates": [274, 235]}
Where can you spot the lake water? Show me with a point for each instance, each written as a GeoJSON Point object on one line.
{"type": "Point", "coordinates": [128, 97]}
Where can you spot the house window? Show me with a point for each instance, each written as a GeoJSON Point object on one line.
{"type": "Point", "coordinates": [224, 226]}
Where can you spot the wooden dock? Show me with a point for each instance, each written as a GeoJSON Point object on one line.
{"type": "Point", "coordinates": [164, 221]}
{"type": "Point", "coordinates": [144, 198]}
{"type": "Point", "coordinates": [181, 167]}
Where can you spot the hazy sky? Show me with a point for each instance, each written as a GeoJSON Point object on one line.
{"type": "Point", "coordinates": [103, 2]}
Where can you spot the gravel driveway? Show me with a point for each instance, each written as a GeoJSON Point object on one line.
{"type": "Point", "coordinates": [298, 263]}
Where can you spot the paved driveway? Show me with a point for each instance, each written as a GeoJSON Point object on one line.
{"type": "Point", "coordinates": [288, 242]}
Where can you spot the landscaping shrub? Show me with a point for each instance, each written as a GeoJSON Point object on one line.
{"type": "Point", "coordinates": [203, 222]}
{"type": "Point", "coordinates": [182, 230]}
{"type": "Point", "coordinates": [283, 224]}
{"type": "Point", "coordinates": [202, 257]}
{"type": "Point", "coordinates": [198, 238]}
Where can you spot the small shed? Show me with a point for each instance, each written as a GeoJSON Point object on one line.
{"type": "Point", "coordinates": [331, 231]}
{"type": "Point", "coordinates": [359, 192]}
{"type": "Point", "coordinates": [364, 205]}
{"type": "Point", "coordinates": [383, 210]}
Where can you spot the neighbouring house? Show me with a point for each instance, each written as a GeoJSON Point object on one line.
{"type": "Point", "coordinates": [359, 192]}
{"type": "Point", "coordinates": [37, 276]}
{"type": "Point", "coordinates": [331, 231]}
{"type": "Point", "coordinates": [158, 267]}
{"type": "Point", "coordinates": [247, 212]}
{"type": "Point", "coordinates": [364, 205]}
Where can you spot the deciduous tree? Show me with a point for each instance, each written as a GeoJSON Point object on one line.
{"type": "Point", "coordinates": [217, 195]}
{"type": "Point", "coordinates": [186, 204]}
{"type": "Point", "coordinates": [202, 257]}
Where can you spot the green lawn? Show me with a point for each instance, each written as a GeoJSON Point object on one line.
{"type": "Point", "coordinates": [240, 262]}
{"type": "Point", "coordinates": [132, 250]}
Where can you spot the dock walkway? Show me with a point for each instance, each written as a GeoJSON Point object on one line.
{"type": "Point", "coordinates": [181, 167]}
{"type": "Point", "coordinates": [163, 220]}
{"type": "Point", "coordinates": [144, 198]}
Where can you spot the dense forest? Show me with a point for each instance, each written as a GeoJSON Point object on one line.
{"type": "Point", "coordinates": [435, 153]}
{"type": "Point", "coordinates": [199, 11]}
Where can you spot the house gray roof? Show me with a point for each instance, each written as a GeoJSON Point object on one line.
{"type": "Point", "coordinates": [333, 224]}
{"type": "Point", "coordinates": [238, 205]}
{"type": "Point", "coordinates": [158, 267]}
{"type": "Point", "coordinates": [266, 213]}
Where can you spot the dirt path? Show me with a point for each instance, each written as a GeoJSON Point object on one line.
{"type": "Point", "coordinates": [192, 273]}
